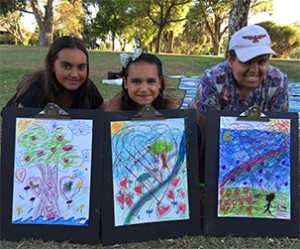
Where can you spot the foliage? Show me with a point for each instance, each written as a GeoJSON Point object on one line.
{"type": "Point", "coordinates": [164, 13]}
{"type": "Point", "coordinates": [213, 13]}
{"type": "Point", "coordinates": [7, 39]}
{"type": "Point", "coordinates": [111, 19]}
{"type": "Point", "coordinates": [11, 21]}
{"type": "Point", "coordinates": [7, 6]}
{"type": "Point", "coordinates": [285, 38]}
{"type": "Point", "coordinates": [51, 150]}
{"type": "Point", "coordinates": [160, 146]}
{"type": "Point", "coordinates": [194, 38]}
{"type": "Point", "coordinates": [68, 17]}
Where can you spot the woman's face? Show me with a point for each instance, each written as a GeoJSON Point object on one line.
{"type": "Point", "coordinates": [142, 83]}
{"type": "Point", "coordinates": [70, 68]}
{"type": "Point", "coordinates": [250, 73]}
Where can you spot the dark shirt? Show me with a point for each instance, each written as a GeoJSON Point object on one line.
{"type": "Point", "coordinates": [35, 98]}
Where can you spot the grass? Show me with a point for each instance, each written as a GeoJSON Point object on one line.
{"type": "Point", "coordinates": [15, 61]}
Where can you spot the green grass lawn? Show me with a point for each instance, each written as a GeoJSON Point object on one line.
{"type": "Point", "coordinates": [15, 61]}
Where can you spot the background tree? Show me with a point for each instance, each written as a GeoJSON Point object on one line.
{"type": "Point", "coordinates": [111, 19]}
{"type": "Point", "coordinates": [193, 39]}
{"type": "Point", "coordinates": [164, 12]}
{"type": "Point", "coordinates": [285, 38]}
{"type": "Point", "coordinates": [43, 14]}
{"type": "Point", "coordinates": [213, 13]}
{"type": "Point", "coordinates": [69, 17]}
{"type": "Point", "coordinates": [11, 21]}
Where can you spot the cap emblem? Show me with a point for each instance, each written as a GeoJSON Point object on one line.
{"type": "Point", "coordinates": [254, 38]}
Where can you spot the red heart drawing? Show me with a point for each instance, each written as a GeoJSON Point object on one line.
{"type": "Point", "coordinates": [175, 182]}
{"type": "Point", "coordinates": [182, 193]}
{"type": "Point", "coordinates": [121, 198]}
{"type": "Point", "coordinates": [123, 183]}
{"type": "Point", "coordinates": [181, 207]}
{"type": "Point", "coordinates": [138, 189]}
{"type": "Point", "coordinates": [163, 210]}
{"type": "Point", "coordinates": [128, 200]}
{"type": "Point", "coordinates": [171, 194]}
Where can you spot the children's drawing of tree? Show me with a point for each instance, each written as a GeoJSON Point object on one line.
{"type": "Point", "coordinates": [48, 151]}
{"type": "Point", "coordinates": [160, 148]}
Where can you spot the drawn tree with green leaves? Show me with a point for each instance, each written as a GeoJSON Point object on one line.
{"type": "Point", "coordinates": [160, 148]}
{"type": "Point", "coordinates": [49, 151]}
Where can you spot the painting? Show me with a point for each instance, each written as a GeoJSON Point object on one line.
{"type": "Point", "coordinates": [149, 171]}
{"type": "Point", "coordinates": [52, 171]}
{"type": "Point", "coordinates": [252, 175]}
{"type": "Point", "coordinates": [50, 168]}
{"type": "Point", "coordinates": [254, 169]}
{"type": "Point", "coordinates": [150, 177]}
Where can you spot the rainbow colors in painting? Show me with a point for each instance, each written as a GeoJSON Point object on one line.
{"type": "Point", "coordinates": [254, 169]}
{"type": "Point", "coordinates": [149, 171]}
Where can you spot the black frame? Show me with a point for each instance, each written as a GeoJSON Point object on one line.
{"type": "Point", "coordinates": [239, 226]}
{"type": "Point", "coordinates": [156, 230]}
{"type": "Point", "coordinates": [75, 234]}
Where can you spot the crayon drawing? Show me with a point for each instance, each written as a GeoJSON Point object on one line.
{"type": "Point", "coordinates": [254, 169]}
{"type": "Point", "coordinates": [52, 171]}
{"type": "Point", "coordinates": [149, 171]}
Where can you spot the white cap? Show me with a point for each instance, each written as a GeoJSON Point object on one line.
{"type": "Point", "coordinates": [250, 42]}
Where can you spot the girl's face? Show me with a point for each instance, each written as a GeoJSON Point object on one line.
{"type": "Point", "coordinates": [70, 68]}
{"type": "Point", "coordinates": [143, 83]}
{"type": "Point", "coordinates": [250, 73]}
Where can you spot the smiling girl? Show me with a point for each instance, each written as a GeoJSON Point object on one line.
{"type": "Point", "coordinates": [64, 81]}
{"type": "Point", "coordinates": [143, 84]}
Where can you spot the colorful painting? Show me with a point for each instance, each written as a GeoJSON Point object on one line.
{"type": "Point", "coordinates": [52, 172]}
{"type": "Point", "coordinates": [149, 171]}
{"type": "Point", "coordinates": [254, 169]}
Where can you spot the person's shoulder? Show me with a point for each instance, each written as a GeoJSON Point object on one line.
{"type": "Point", "coordinates": [171, 103]}
{"type": "Point", "coordinates": [114, 104]}
{"type": "Point", "coordinates": [275, 72]}
{"type": "Point", "coordinates": [217, 69]}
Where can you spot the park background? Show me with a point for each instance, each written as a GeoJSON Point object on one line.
{"type": "Point", "coordinates": [195, 48]}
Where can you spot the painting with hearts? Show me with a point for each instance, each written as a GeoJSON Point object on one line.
{"type": "Point", "coordinates": [52, 170]}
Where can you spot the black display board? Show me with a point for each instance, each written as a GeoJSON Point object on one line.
{"type": "Point", "coordinates": [45, 201]}
{"type": "Point", "coordinates": [150, 177]}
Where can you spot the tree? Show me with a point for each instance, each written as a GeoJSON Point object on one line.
{"type": "Point", "coordinates": [48, 151]}
{"type": "Point", "coordinates": [160, 148]}
{"type": "Point", "coordinates": [213, 13]}
{"type": "Point", "coordinates": [194, 38]}
{"type": "Point", "coordinates": [44, 17]}
{"type": "Point", "coordinates": [285, 38]}
{"type": "Point", "coordinates": [11, 6]}
{"type": "Point", "coordinates": [111, 19]}
{"type": "Point", "coordinates": [11, 21]}
{"type": "Point", "coordinates": [163, 13]}
{"type": "Point", "coordinates": [70, 15]}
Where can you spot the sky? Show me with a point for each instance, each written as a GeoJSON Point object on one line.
{"type": "Point", "coordinates": [285, 12]}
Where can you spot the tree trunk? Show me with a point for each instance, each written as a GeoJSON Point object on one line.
{"type": "Point", "coordinates": [238, 16]}
{"type": "Point", "coordinates": [48, 206]}
{"type": "Point", "coordinates": [157, 49]}
{"type": "Point", "coordinates": [44, 20]}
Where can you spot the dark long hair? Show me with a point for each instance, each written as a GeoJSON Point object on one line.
{"type": "Point", "coordinates": [50, 84]}
{"type": "Point", "coordinates": [159, 103]}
